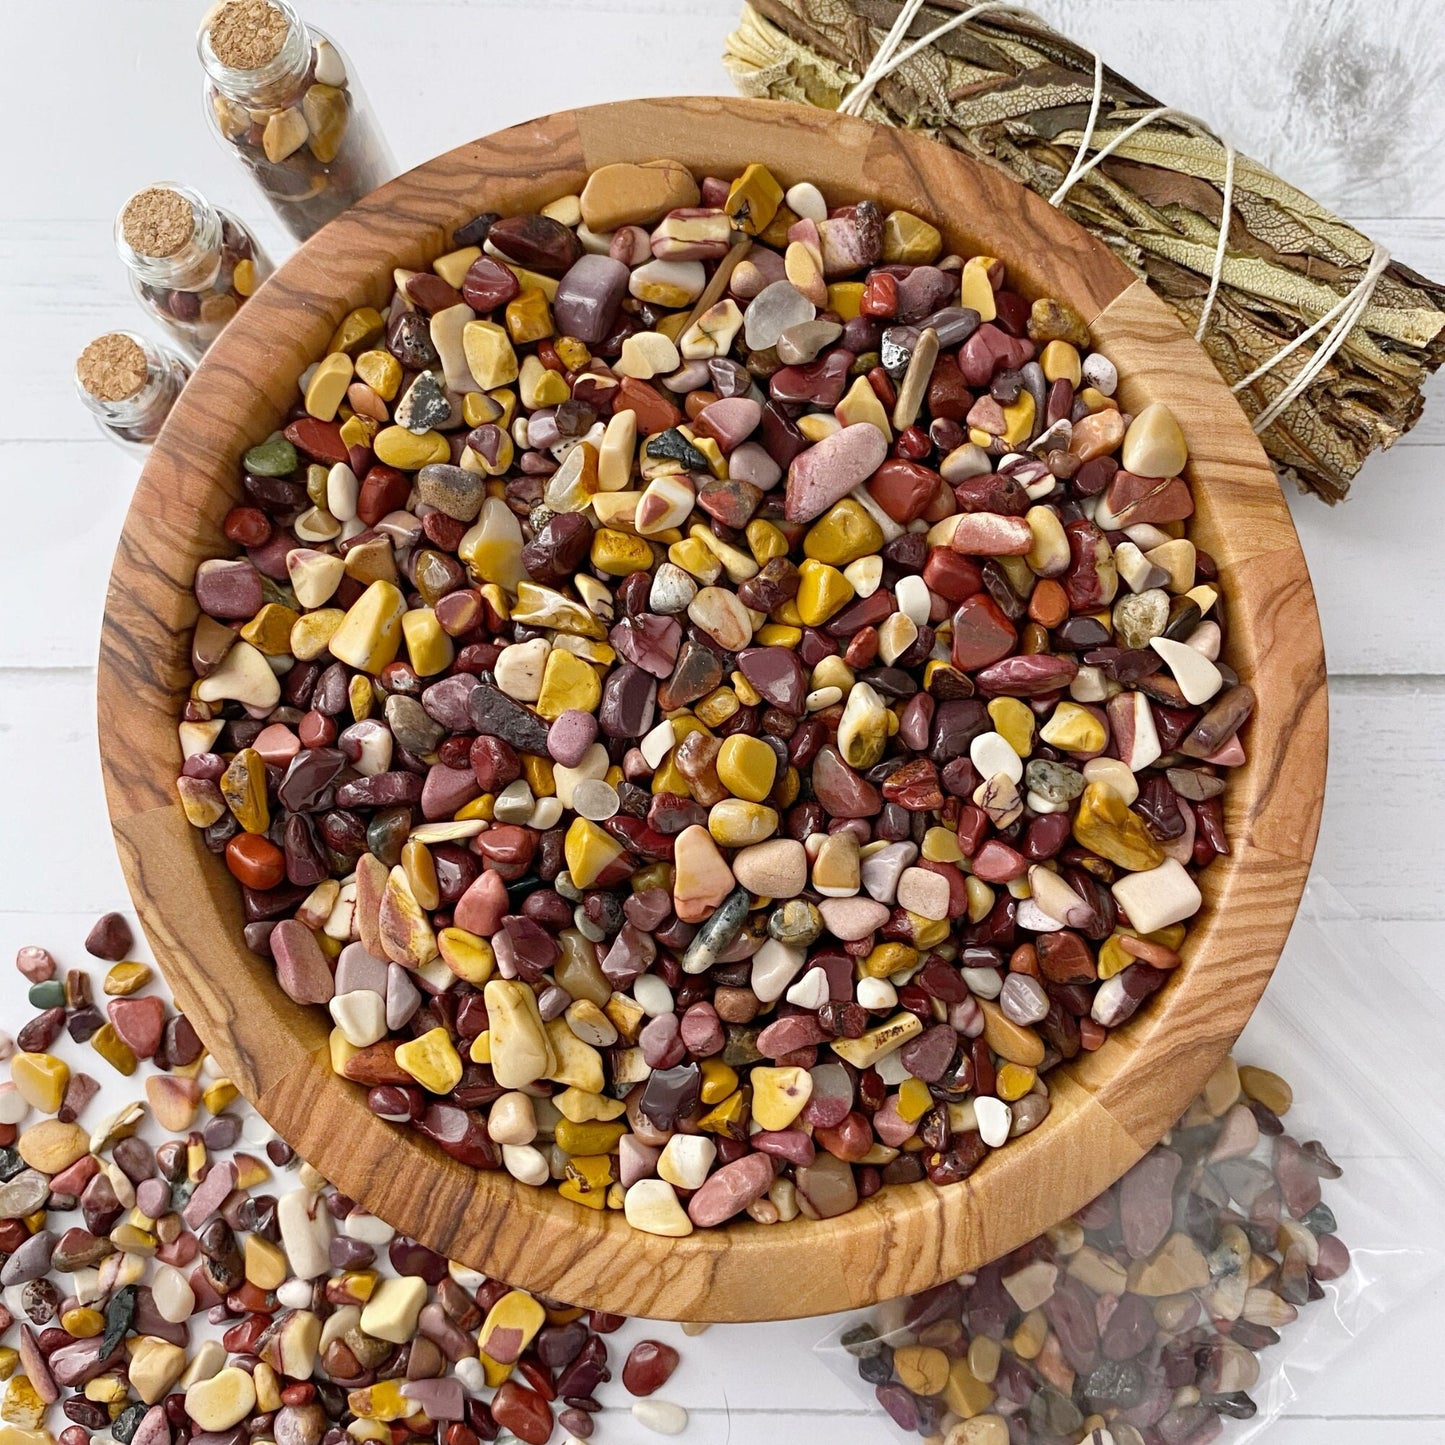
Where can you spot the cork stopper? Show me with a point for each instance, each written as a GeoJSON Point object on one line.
{"type": "Point", "coordinates": [247, 34]}
{"type": "Point", "coordinates": [112, 368]}
{"type": "Point", "coordinates": [157, 222]}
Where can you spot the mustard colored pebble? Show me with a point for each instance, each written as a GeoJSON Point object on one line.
{"type": "Point", "coordinates": [40, 1080]}
{"type": "Point", "coordinates": [1014, 722]}
{"type": "Point", "coordinates": [568, 684]}
{"type": "Point", "coordinates": [1074, 729]}
{"type": "Point", "coordinates": [122, 979]}
{"type": "Point", "coordinates": [432, 1061]}
{"type": "Point", "coordinates": [822, 591]}
{"type": "Point", "coordinates": [747, 767]}
{"type": "Point", "coordinates": [409, 451]}
{"type": "Point", "coordinates": [844, 533]}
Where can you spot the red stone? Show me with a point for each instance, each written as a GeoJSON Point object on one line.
{"type": "Point", "coordinates": [904, 489]}
{"type": "Point", "coordinates": [524, 1412]}
{"type": "Point", "coordinates": [951, 575]}
{"type": "Point", "coordinates": [981, 633]}
{"type": "Point", "coordinates": [319, 440]}
{"type": "Point", "coordinates": [650, 1364]}
{"type": "Point", "coordinates": [654, 412]}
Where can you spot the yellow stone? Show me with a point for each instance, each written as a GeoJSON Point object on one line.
{"type": "Point", "coordinates": [361, 697]}
{"type": "Point", "coordinates": [910, 240]}
{"type": "Point", "coordinates": [619, 554]}
{"type": "Point", "coordinates": [888, 958]}
{"type": "Point", "coordinates": [382, 1401]}
{"type": "Point", "coordinates": [381, 371]}
{"type": "Point", "coordinates": [540, 775]}
{"type": "Point", "coordinates": [327, 387]}
{"type": "Point", "coordinates": [265, 1263]}
{"type": "Point", "coordinates": [765, 541]}
{"type": "Point", "coordinates": [736, 823]}
{"type": "Point", "coordinates": [844, 533]}
{"type": "Point", "coordinates": [22, 1405]}
{"type": "Point", "coordinates": [1112, 957]}
{"type": "Point", "coordinates": [453, 267]}
{"type": "Point", "coordinates": [589, 852]}
{"type": "Point", "coordinates": [219, 1096]}
{"type": "Point", "coordinates": [478, 408]}
{"type": "Point", "coordinates": [587, 1179]}
{"type": "Point", "coordinates": [845, 299]}
{"type": "Point", "coordinates": [1154, 445]}
{"type": "Point", "coordinates": [1013, 1081]}
{"type": "Point", "coordinates": [567, 683]}
{"type": "Point", "coordinates": [1060, 361]}
{"type": "Point", "coordinates": [489, 353]}
{"type": "Point", "coordinates": [1266, 1088]}
{"type": "Point", "coordinates": [965, 1394]}
{"type": "Point", "coordinates": [370, 634]}
{"type": "Point", "coordinates": [822, 591]}
{"type": "Point", "coordinates": [51, 1146]}
{"type": "Point", "coordinates": [592, 1138]}
{"type": "Point", "coordinates": [718, 1081]}
{"type": "Point", "coordinates": [717, 707]}
{"type": "Point", "coordinates": [1014, 722]}
{"type": "Point", "coordinates": [359, 431]}
{"type": "Point", "coordinates": [581, 1107]}
{"type": "Point", "coordinates": [10, 1360]}
{"type": "Point", "coordinates": [539, 386]}
{"type": "Point", "coordinates": [861, 405]}
{"type": "Point", "coordinates": [747, 767]}
{"type": "Point", "coordinates": [779, 1095]}
{"type": "Point", "coordinates": [358, 328]}
{"type": "Point", "coordinates": [40, 1079]}
{"type": "Point", "coordinates": [940, 845]}
{"type": "Point", "coordinates": [123, 979]}
{"type": "Point", "coordinates": [510, 1326]}
{"type": "Point", "coordinates": [921, 1368]}
{"type": "Point", "coordinates": [222, 1401]}
{"type": "Point", "coordinates": [432, 1061]}
{"type": "Point", "coordinates": [468, 955]}
{"type": "Point", "coordinates": [976, 289]}
{"type": "Point", "coordinates": [574, 1063]}
{"type": "Point", "coordinates": [269, 631]}
{"type": "Point", "coordinates": [753, 199]}
{"type": "Point", "coordinates": [1107, 826]}
{"type": "Point", "coordinates": [1011, 1041]}
{"type": "Point", "coordinates": [1074, 729]}
{"type": "Point", "coordinates": [726, 1116]}
{"type": "Point", "coordinates": [775, 634]}
{"type": "Point", "coordinates": [243, 786]}
{"type": "Point", "coordinates": [696, 560]}
{"type": "Point", "coordinates": [113, 1049]}
{"type": "Point", "coordinates": [313, 632]}
{"type": "Point", "coordinates": [410, 451]}
{"type": "Point", "coordinates": [427, 645]}
{"type": "Point", "coordinates": [1018, 419]}
{"type": "Point", "coordinates": [529, 317]}
{"type": "Point", "coordinates": [914, 1100]}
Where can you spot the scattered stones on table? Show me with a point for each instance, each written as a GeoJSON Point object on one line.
{"type": "Point", "coordinates": [704, 687]}
{"type": "Point", "coordinates": [117, 1232]}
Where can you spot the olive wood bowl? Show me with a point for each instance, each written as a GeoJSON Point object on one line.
{"type": "Point", "coordinates": [1109, 1107]}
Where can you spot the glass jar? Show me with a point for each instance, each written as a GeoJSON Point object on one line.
{"type": "Point", "coordinates": [191, 265]}
{"type": "Point", "coordinates": [282, 97]}
{"type": "Point", "coordinates": [129, 385]}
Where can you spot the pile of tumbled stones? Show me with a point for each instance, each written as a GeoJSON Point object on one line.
{"type": "Point", "coordinates": [716, 697]}
{"type": "Point", "coordinates": [1139, 1321]}
{"type": "Point", "coordinates": [322, 1326]}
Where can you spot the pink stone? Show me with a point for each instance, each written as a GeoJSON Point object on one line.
{"type": "Point", "coordinates": [831, 468]}
{"type": "Point", "coordinates": [35, 963]}
{"type": "Point", "coordinates": [479, 910]}
{"type": "Point", "coordinates": [447, 789]}
{"type": "Point", "coordinates": [210, 1194]}
{"type": "Point", "coordinates": [277, 744]}
{"type": "Point", "coordinates": [301, 967]}
{"type": "Point", "coordinates": [990, 534]}
{"type": "Point", "coordinates": [140, 1022]}
{"type": "Point", "coordinates": [730, 1190]}
{"type": "Point", "coordinates": [729, 422]}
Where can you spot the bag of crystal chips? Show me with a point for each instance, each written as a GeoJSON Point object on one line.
{"type": "Point", "coordinates": [1292, 1205]}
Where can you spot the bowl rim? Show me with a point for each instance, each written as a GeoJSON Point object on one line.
{"type": "Point", "coordinates": [1109, 1108]}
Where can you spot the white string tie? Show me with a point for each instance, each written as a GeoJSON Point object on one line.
{"type": "Point", "coordinates": [1343, 317]}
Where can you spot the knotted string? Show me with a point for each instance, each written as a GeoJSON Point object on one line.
{"type": "Point", "coordinates": [1344, 315]}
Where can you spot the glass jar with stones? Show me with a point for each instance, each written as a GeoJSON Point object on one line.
{"type": "Point", "coordinates": [284, 99]}
{"type": "Point", "coordinates": [129, 385]}
{"type": "Point", "coordinates": [191, 264]}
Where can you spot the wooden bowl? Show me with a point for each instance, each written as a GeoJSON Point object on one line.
{"type": "Point", "coordinates": [1109, 1107]}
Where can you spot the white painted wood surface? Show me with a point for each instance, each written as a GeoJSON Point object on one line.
{"type": "Point", "coordinates": [1341, 96]}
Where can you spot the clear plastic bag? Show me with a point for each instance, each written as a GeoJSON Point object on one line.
{"type": "Point", "coordinates": [1340, 1005]}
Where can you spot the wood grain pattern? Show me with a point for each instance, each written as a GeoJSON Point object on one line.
{"type": "Point", "coordinates": [1108, 1109]}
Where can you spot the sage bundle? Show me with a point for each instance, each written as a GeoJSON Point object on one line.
{"type": "Point", "coordinates": [1326, 343]}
